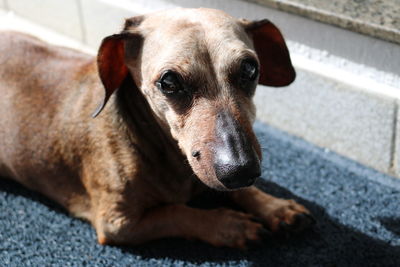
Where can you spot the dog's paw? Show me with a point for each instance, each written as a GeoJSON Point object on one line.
{"type": "Point", "coordinates": [236, 230]}
{"type": "Point", "coordinates": [287, 216]}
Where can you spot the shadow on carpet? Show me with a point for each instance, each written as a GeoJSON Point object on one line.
{"type": "Point", "coordinates": [357, 211]}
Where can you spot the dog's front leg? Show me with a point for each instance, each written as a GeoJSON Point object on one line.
{"type": "Point", "coordinates": [280, 215]}
{"type": "Point", "coordinates": [219, 227]}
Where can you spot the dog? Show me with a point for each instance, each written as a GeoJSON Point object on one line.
{"type": "Point", "coordinates": [163, 113]}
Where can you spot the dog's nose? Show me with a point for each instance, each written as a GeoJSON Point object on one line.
{"type": "Point", "coordinates": [236, 163]}
{"type": "Point", "coordinates": [236, 175]}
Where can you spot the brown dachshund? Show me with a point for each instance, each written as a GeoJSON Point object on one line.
{"type": "Point", "coordinates": [173, 113]}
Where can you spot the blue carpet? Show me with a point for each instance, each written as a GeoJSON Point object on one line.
{"type": "Point", "coordinates": [358, 213]}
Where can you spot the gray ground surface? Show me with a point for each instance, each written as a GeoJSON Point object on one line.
{"type": "Point", "coordinates": [357, 209]}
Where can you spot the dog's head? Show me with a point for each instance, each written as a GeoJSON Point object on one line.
{"type": "Point", "coordinates": [198, 70]}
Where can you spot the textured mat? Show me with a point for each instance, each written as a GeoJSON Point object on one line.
{"type": "Point", "coordinates": [358, 213]}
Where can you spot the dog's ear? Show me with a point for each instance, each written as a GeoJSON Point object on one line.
{"type": "Point", "coordinates": [111, 58]}
{"type": "Point", "coordinates": [276, 67]}
{"type": "Point", "coordinates": [111, 66]}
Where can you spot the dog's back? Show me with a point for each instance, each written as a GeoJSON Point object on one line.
{"type": "Point", "coordinates": [40, 94]}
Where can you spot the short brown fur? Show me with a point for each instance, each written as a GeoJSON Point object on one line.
{"type": "Point", "coordinates": [130, 170]}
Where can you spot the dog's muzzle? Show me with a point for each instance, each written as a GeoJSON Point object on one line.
{"type": "Point", "coordinates": [236, 163]}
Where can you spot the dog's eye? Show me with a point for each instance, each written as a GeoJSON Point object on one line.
{"type": "Point", "coordinates": [248, 71]}
{"type": "Point", "coordinates": [170, 83]}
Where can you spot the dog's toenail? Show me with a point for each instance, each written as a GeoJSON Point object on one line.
{"type": "Point", "coordinates": [196, 153]}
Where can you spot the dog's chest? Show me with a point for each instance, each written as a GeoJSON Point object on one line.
{"type": "Point", "coordinates": [175, 187]}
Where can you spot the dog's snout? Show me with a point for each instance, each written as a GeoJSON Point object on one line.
{"type": "Point", "coordinates": [236, 163]}
{"type": "Point", "coordinates": [233, 175]}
